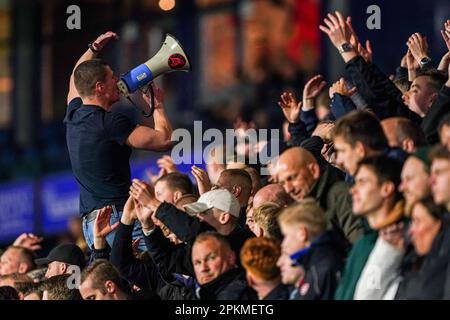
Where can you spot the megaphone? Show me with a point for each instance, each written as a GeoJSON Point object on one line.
{"type": "Point", "coordinates": [171, 57]}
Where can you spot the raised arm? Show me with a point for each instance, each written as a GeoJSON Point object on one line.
{"type": "Point", "coordinates": [90, 53]}
{"type": "Point", "coordinates": [159, 138]}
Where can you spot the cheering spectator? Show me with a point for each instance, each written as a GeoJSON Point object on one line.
{"type": "Point", "coordinates": [301, 176]}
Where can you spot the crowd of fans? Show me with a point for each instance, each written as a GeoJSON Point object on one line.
{"type": "Point", "coordinates": [356, 205]}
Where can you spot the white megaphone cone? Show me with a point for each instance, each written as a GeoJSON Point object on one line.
{"type": "Point", "coordinates": [171, 57]}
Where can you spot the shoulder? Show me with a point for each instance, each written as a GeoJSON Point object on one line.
{"type": "Point", "coordinates": [73, 105]}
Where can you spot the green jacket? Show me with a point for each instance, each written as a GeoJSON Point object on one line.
{"type": "Point", "coordinates": [334, 197]}
{"type": "Point", "coordinates": [355, 264]}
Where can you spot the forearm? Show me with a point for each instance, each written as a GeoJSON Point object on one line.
{"type": "Point", "coordinates": [99, 243]}
{"type": "Point", "coordinates": [162, 123]}
{"type": "Point", "coordinates": [88, 55]}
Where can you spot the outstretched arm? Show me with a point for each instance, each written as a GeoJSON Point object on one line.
{"type": "Point", "coordinates": [90, 53]}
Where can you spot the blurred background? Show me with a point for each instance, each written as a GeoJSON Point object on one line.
{"type": "Point", "coordinates": [244, 53]}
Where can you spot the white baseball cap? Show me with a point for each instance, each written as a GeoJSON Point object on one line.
{"type": "Point", "coordinates": [220, 199]}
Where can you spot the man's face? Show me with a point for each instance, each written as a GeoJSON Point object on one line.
{"type": "Point", "coordinates": [9, 262]}
{"type": "Point", "coordinates": [293, 238]}
{"type": "Point", "coordinates": [296, 180]}
{"type": "Point", "coordinates": [88, 292]}
{"type": "Point", "coordinates": [347, 156]}
{"type": "Point", "coordinates": [415, 181]}
{"type": "Point", "coordinates": [440, 181]}
{"type": "Point", "coordinates": [111, 91]}
{"type": "Point", "coordinates": [290, 275]}
{"type": "Point", "coordinates": [163, 192]}
{"type": "Point", "coordinates": [445, 136]}
{"type": "Point", "coordinates": [55, 268]}
{"type": "Point", "coordinates": [211, 259]}
{"type": "Point", "coordinates": [419, 97]}
{"type": "Point", "coordinates": [366, 192]}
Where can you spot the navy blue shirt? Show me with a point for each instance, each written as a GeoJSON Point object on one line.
{"type": "Point", "coordinates": [96, 140]}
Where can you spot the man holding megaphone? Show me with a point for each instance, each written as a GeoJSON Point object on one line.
{"type": "Point", "coordinates": [100, 140]}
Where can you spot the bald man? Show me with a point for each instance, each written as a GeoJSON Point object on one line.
{"type": "Point", "coordinates": [403, 133]}
{"type": "Point", "coordinates": [301, 176]}
{"type": "Point", "coordinates": [271, 193]}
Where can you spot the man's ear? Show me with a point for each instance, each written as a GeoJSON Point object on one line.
{"type": "Point", "coordinates": [23, 267]}
{"type": "Point", "coordinates": [408, 145]}
{"type": "Point", "coordinates": [431, 98]}
{"type": "Point", "coordinates": [315, 170]}
{"type": "Point", "coordinates": [387, 189]}
{"type": "Point", "coordinates": [63, 268]}
{"type": "Point", "coordinates": [304, 235]}
{"type": "Point", "coordinates": [99, 87]}
{"type": "Point", "coordinates": [224, 217]}
{"type": "Point", "coordinates": [360, 149]}
{"type": "Point", "coordinates": [177, 195]}
{"type": "Point", "coordinates": [237, 190]}
{"type": "Point", "coordinates": [110, 287]}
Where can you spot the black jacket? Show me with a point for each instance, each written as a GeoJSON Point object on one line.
{"type": "Point", "coordinates": [426, 279]}
{"type": "Point", "coordinates": [323, 264]}
{"type": "Point", "coordinates": [386, 99]}
{"type": "Point", "coordinates": [145, 275]}
{"type": "Point", "coordinates": [280, 292]}
{"type": "Point", "coordinates": [186, 228]}
{"type": "Point", "coordinates": [231, 285]}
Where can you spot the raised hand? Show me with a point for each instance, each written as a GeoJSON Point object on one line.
{"type": "Point", "coordinates": [103, 39]}
{"type": "Point", "coordinates": [412, 66]}
{"type": "Point", "coordinates": [166, 163]}
{"type": "Point", "coordinates": [142, 192]}
{"type": "Point", "coordinates": [365, 52]}
{"type": "Point", "coordinates": [336, 29]}
{"type": "Point", "coordinates": [103, 227]}
{"type": "Point", "coordinates": [290, 107]}
{"type": "Point", "coordinates": [310, 91]}
{"type": "Point", "coordinates": [158, 95]}
{"type": "Point", "coordinates": [202, 178]}
{"type": "Point", "coordinates": [144, 216]}
{"type": "Point", "coordinates": [29, 241]}
{"type": "Point", "coordinates": [446, 34]}
{"type": "Point", "coordinates": [129, 212]}
{"type": "Point", "coordinates": [418, 46]}
{"type": "Point", "coordinates": [341, 88]}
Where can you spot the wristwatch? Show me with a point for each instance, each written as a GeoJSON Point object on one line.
{"type": "Point", "coordinates": [424, 61]}
{"type": "Point", "coordinates": [345, 47]}
{"type": "Point", "coordinates": [90, 46]}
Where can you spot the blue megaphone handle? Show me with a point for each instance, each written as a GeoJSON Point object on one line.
{"type": "Point", "coordinates": [138, 77]}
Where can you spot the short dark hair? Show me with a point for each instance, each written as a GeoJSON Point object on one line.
{"type": "Point", "coordinates": [386, 169]}
{"type": "Point", "coordinates": [239, 177]}
{"type": "Point", "coordinates": [57, 288]}
{"type": "Point", "coordinates": [361, 126]}
{"type": "Point", "coordinates": [102, 270]}
{"type": "Point", "coordinates": [27, 288]}
{"type": "Point", "coordinates": [87, 74]}
{"type": "Point", "coordinates": [408, 129]}
{"type": "Point", "coordinates": [8, 293]}
{"type": "Point", "coordinates": [439, 152]}
{"type": "Point", "coordinates": [177, 181]}
{"type": "Point", "coordinates": [436, 78]}
{"type": "Point", "coordinates": [212, 235]}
